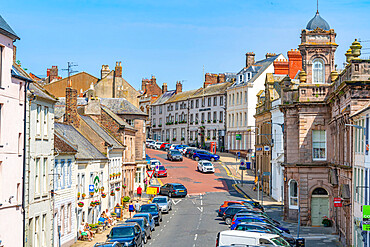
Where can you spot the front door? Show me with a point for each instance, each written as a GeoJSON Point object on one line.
{"type": "Point", "coordinates": [319, 209]}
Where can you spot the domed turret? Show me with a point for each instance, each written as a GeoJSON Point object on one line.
{"type": "Point", "coordinates": [317, 22]}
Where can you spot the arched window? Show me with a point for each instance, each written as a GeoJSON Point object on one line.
{"type": "Point", "coordinates": [293, 194]}
{"type": "Point", "coordinates": [318, 71]}
{"type": "Point", "coordinates": [320, 192]}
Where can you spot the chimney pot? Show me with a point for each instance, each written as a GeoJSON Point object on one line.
{"type": "Point", "coordinates": [249, 59]}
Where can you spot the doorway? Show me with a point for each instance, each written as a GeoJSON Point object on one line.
{"type": "Point", "coordinates": [319, 206]}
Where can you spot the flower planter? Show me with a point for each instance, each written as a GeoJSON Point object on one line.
{"type": "Point", "coordinates": [103, 195]}
{"type": "Point", "coordinates": [118, 189]}
{"type": "Point", "coordinates": [91, 193]}
{"type": "Point", "coordinates": [83, 195]}
{"type": "Point", "coordinates": [80, 204]}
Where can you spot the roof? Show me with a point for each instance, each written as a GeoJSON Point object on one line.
{"type": "Point", "coordinates": [164, 97]}
{"type": "Point", "coordinates": [62, 145]}
{"type": "Point", "coordinates": [256, 69]}
{"type": "Point", "coordinates": [7, 30]}
{"type": "Point", "coordinates": [121, 106]}
{"type": "Point", "coordinates": [19, 73]}
{"type": "Point", "coordinates": [364, 108]}
{"type": "Point", "coordinates": [213, 89]}
{"type": "Point", "coordinates": [39, 91]}
{"type": "Point", "coordinates": [317, 22]}
{"type": "Point", "coordinates": [116, 118]}
{"type": "Point", "coordinates": [101, 132]}
{"type": "Point", "coordinates": [182, 96]}
{"type": "Point", "coordinates": [85, 149]}
{"type": "Point", "coordinates": [60, 106]}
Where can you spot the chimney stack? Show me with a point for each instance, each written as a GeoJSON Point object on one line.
{"type": "Point", "coordinates": [268, 55]}
{"type": "Point", "coordinates": [143, 84]}
{"type": "Point", "coordinates": [71, 115]}
{"type": "Point", "coordinates": [118, 69]}
{"type": "Point", "coordinates": [104, 71]}
{"type": "Point", "coordinates": [295, 62]}
{"type": "Point", "coordinates": [164, 87]}
{"type": "Point", "coordinates": [153, 80]}
{"type": "Point", "coordinates": [178, 87]}
{"type": "Point", "coordinates": [14, 54]}
{"type": "Point", "coordinates": [281, 67]}
{"type": "Point", "coordinates": [249, 59]}
{"type": "Point", "coordinates": [52, 73]}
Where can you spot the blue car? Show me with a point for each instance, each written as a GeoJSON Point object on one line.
{"type": "Point", "coordinates": [204, 155]}
{"type": "Point", "coordinates": [180, 147]}
{"type": "Point", "coordinates": [251, 219]}
{"type": "Point", "coordinates": [154, 210]}
{"type": "Point", "coordinates": [149, 217]}
{"type": "Point", "coordinates": [129, 234]}
{"type": "Point", "coordinates": [147, 158]}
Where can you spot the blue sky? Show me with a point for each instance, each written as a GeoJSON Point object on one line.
{"type": "Point", "coordinates": [171, 39]}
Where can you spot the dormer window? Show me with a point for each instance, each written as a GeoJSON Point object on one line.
{"type": "Point", "coordinates": [249, 76]}
{"type": "Point", "coordinates": [241, 78]}
{"type": "Point", "coordinates": [318, 71]}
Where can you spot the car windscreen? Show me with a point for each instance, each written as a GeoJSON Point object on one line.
{"type": "Point", "coordinates": [156, 162]}
{"type": "Point", "coordinates": [139, 221]}
{"type": "Point", "coordinates": [179, 187]}
{"type": "Point", "coordinates": [161, 168]}
{"type": "Point", "coordinates": [121, 232]}
{"type": "Point", "coordinates": [175, 152]}
{"type": "Point", "coordinates": [207, 164]}
{"type": "Point", "coordinates": [142, 215]}
{"type": "Point", "coordinates": [159, 200]}
{"type": "Point", "coordinates": [279, 241]}
{"type": "Point", "coordinates": [148, 208]}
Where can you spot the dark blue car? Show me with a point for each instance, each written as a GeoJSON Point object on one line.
{"type": "Point", "coordinates": [204, 155]}
{"type": "Point", "coordinates": [251, 219]}
{"type": "Point", "coordinates": [127, 234]}
{"type": "Point", "coordinates": [154, 210]}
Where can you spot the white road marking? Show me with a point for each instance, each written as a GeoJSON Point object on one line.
{"type": "Point", "coordinates": [161, 229]}
{"type": "Point", "coordinates": [164, 225]}
{"type": "Point", "coordinates": [171, 217]}
{"type": "Point", "coordinates": [200, 209]}
{"type": "Point", "coordinates": [168, 220]}
{"type": "Point", "coordinates": [177, 201]}
{"type": "Point", "coordinates": [195, 238]}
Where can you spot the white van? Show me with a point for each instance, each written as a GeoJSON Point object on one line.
{"type": "Point", "coordinates": [234, 237]}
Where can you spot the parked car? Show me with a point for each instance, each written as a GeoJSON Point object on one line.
{"type": "Point", "coordinates": [173, 189]}
{"type": "Point", "coordinates": [251, 219]}
{"type": "Point", "coordinates": [154, 210]}
{"type": "Point", "coordinates": [189, 152]}
{"type": "Point", "coordinates": [157, 145]}
{"type": "Point", "coordinates": [180, 147]}
{"type": "Point", "coordinates": [164, 146]}
{"type": "Point", "coordinates": [163, 202]}
{"type": "Point", "coordinates": [149, 143]}
{"type": "Point", "coordinates": [239, 216]}
{"type": "Point", "coordinates": [173, 146]}
{"type": "Point", "coordinates": [268, 228]}
{"type": "Point", "coordinates": [154, 163]}
{"type": "Point", "coordinates": [105, 244]}
{"type": "Point", "coordinates": [128, 234]}
{"type": "Point", "coordinates": [230, 237]}
{"type": "Point", "coordinates": [147, 158]}
{"type": "Point", "coordinates": [174, 155]}
{"type": "Point", "coordinates": [145, 227]}
{"type": "Point", "coordinates": [204, 155]}
{"type": "Point", "coordinates": [226, 204]}
{"type": "Point", "coordinates": [245, 212]}
{"type": "Point", "coordinates": [149, 217]}
{"type": "Point", "coordinates": [160, 172]}
{"type": "Point", "coordinates": [205, 166]}
{"type": "Point", "coordinates": [255, 204]}
{"type": "Point", "coordinates": [229, 213]}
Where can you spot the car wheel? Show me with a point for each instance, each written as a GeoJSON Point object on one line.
{"type": "Point", "coordinates": [150, 234]}
{"type": "Point", "coordinates": [213, 159]}
{"type": "Point", "coordinates": [197, 158]}
{"type": "Point", "coordinates": [170, 194]}
{"type": "Point", "coordinates": [197, 168]}
{"type": "Point", "coordinates": [228, 221]}
{"type": "Point", "coordinates": [145, 239]}
{"type": "Point", "coordinates": [142, 242]}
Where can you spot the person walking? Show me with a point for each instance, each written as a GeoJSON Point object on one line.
{"type": "Point", "coordinates": [139, 191]}
{"type": "Point", "coordinates": [137, 206]}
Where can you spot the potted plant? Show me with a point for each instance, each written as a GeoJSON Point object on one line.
{"type": "Point", "coordinates": [124, 186]}
{"type": "Point", "coordinates": [326, 221]}
{"type": "Point", "coordinates": [91, 193]}
{"type": "Point", "coordinates": [196, 122]}
{"type": "Point", "coordinates": [80, 204]}
{"type": "Point", "coordinates": [103, 195]}
{"type": "Point", "coordinates": [78, 195]}
{"type": "Point", "coordinates": [118, 188]}
{"type": "Point", "coordinates": [220, 121]}
{"type": "Point", "coordinates": [176, 122]}
{"type": "Point", "coordinates": [202, 122]}
{"type": "Point", "coordinates": [159, 125]}
{"type": "Point", "coordinates": [214, 121]}
{"type": "Point", "coordinates": [167, 139]}
{"type": "Point", "coordinates": [102, 189]}
{"type": "Point", "coordinates": [92, 204]}
{"type": "Point", "coordinates": [174, 139]}
{"type": "Point", "coordinates": [208, 121]}
{"type": "Point", "coordinates": [119, 174]}
{"type": "Point", "coordinates": [126, 199]}
{"type": "Point", "coordinates": [112, 193]}
{"type": "Point", "coordinates": [83, 195]}
{"type": "Point", "coordinates": [114, 175]}
{"type": "Point", "coordinates": [153, 125]}
{"type": "Point", "coordinates": [182, 138]}
{"type": "Point", "coordinates": [110, 176]}
{"type": "Point", "coordinates": [214, 138]}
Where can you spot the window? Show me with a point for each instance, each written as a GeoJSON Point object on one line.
{"type": "Point", "coordinates": [69, 167]}
{"type": "Point", "coordinates": [176, 117]}
{"type": "Point", "coordinates": [221, 117]}
{"type": "Point", "coordinates": [318, 71]}
{"type": "Point", "coordinates": [209, 117]}
{"type": "Point", "coordinates": [153, 110]}
{"type": "Point", "coordinates": [174, 134]}
{"type": "Point", "coordinates": [202, 117]}
{"type": "Point", "coordinates": [191, 118]}
{"type": "Point", "coordinates": [69, 217]}
{"type": "Point", "coordinates": [20, 144]}
{"type": "Point", "coordinates": [56, 175]}
{"type": "Point", "coordinates": [63, 173]}
{"type": "Point", "coordinates": [36, 239]}
{"type": "Point", "coordinates": [245, 119]}
{"type": "Point", "coordinates": [160, 121]}
{"type": "Point", "coordinates": [43, 229]}
{"type": "Point", "coordinates": [293, 194]}
{"type": "Point", "coordinates": [192, 104]}
{"type": "Point", "coordinates": [38, 121]}
{"type": "Point", "coordinates": [83, 183]}
{"type": "Point", "coordinates": [221, 100]}
{"type": "Point", "coordinates": [37, 176]}
{"type": "Point", "coordinates": [241, 98]}
{"type": "Point", "coordinates": [1, 107]}
{"type": "Point", "coordinates": [233, 99]}
{"type": "Point", "coordinates": [44, 175]}
{"type": "Point", "coordinates": [160, 109]}
{"type": "Point", "coordinates": [167, 135]}
{"type": "Point", "coordinates": [182, 133]}
{"type": "Point", "coordinates": [62, 220]}
{"type": "Point", "coordinates": [176, 106]}
{"type": "Point", "coordinates": [197, 103]}
{"type": "Point", "coordinates": [1, 65]}
{"type": "Point", "coordinates": [203, 102]}
{"type": "Point", "coordinates": [209, 102]}
{"type": "Point", "coordinates": [318, 145]}
{"type": "Point", "coordinates": [215, 101]}
{"type": "Point", "coordinates": [245, 97]}
{"type": "Point", "coordinates": [214, 116]}
{"type": "Point", "coordinates": [237, 98]}
{"type": "Point", "coordinates": [46, 110]}
{"type": "Point", "coordinates": [154, 122]}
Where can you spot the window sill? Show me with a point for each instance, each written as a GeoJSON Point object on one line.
{"type": "Point", "coordinates": [2, 88]}
{"type": "Point", "coordinates": [1, 146]}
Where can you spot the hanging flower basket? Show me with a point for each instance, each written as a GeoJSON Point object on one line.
{"type": "Point", "coordinates": [91, 193]}
{"type": "Point", "coordinates": [110, 176]}
{"type": "Point", "coordinates": [80, 204]}
{"type": "Point", "coordinates": [97, 203]}
{"type": "Point", "coordinates": [83, 195]}
{"type": "Point", "coordinates": [103, 195]}
{"type": "Point", "coordinates": [112, 193]}
{"type": "Point", "coordinates": [78, 195]}
{"type": "Point", "coordinates": [119, 174]}
{"type": "Point", "coordinates": [124, 186]}
{"type": "Point", "coordinates": [118, 189]}
{"type": "Point", "coordinates": [92, 204]}
{"type": "Point", "coordinates": [102, 189]}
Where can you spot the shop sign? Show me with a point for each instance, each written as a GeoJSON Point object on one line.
{"type": "Point", "coordinates": [366, 217]}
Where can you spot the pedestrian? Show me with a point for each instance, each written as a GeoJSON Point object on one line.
{"type": "Point", "coordinates": [131, 208]}
{"type": "Point", "coordinates": [137, 206]}
{"type": "Point", "coordinates": [139, 191]}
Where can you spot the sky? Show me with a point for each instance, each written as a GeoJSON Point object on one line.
{"type": "Point", "coordinates": [171, 39]}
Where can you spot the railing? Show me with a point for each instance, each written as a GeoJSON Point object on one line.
{"type": "Point", "coordinates": [313, 92]}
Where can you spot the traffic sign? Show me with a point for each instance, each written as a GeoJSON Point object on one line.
{"type": "Point", "coordinates": [266, 148]}
{"type": "Point", "coordinates": [366, 217]}
{"type": "Point", "coordinates": [238, 137]}
{"type": "Point", "coordinates": [242, 165]}
{"type": "Point", "coordinates": [91, 188]}
{"type": "Point", "coordinates": [150, 173]}
{"type": "Point", "coordinates": [152, 190]}
{"type": "Point", "coordinates": [337, 202]}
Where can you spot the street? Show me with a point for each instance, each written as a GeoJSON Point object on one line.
{"type": "Point", "coordinates": [194, 221]}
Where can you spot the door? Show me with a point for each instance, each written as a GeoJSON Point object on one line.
{"type": "Point", "coordinates": [319, 209]}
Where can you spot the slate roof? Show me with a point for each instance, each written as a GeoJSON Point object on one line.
{"type": "Point", "coordinates": [60, 106]}
{"type": "Point", "coordinates": [19, 73]}
{"type": "Point", "coordinates": [164, 97]}
{"type": "Point", "coordinates": [85, 150]}
{"type": "Point", "coordinates": [317, 22]}
{"type": "Point", "coordinates": [183, 95]}
{"type": "Point", "coordinates": [257, 69]}
{"type": "Point", "coordinates": [62, 145]}
{"type": "Point", "coordinates": [101, 132]}
{"type": "Point", "coordinates": [121, 106]}
{"type": "Point", "coordinates": [214, 89]}
{"type": "Point", "coordinates": [116, 118]}
{"type": "Point", "coordinates": [7, 30]}
{"type": "Point", "coordinates": [41, 92]}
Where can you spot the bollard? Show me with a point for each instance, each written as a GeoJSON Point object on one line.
{"type": "Point", "coordinates": [300, 242]}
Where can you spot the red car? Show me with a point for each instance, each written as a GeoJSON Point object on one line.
{"type": "Point", "coordinates": [165, 146]}
{"type": "Point", "coordinates": [160, 172]}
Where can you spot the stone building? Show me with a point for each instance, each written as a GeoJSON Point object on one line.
{"type": "Point", "coordinates": [318, 156]}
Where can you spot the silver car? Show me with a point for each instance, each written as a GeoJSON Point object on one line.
{"type": "Point", "coordinates": [164, 203]}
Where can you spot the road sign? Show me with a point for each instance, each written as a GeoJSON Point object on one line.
{"type": "Point", "coordinates": [366, 217]}
{"type": "Point", "coordinates": [152, 190]}
{"type": "Point", "coordinates": [238, 154]}
{"type": "Point", "coordinates": [238, 137]}
{"type": "Point", "coordinates": [242, 166]}
{"type": "Point", "coordinates": [91, 188]}
{"type": "Point", "coordinates": [266, 148]}
{"type": "Point", "coordinates": [337, 202]}
{"type": "Point", "coordinates": [266, 173]}
{"type": "Point", "coordinates": [150, 173]}
{"type": "Point", "coordinates": [157, 168]}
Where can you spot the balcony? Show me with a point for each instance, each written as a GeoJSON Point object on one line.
{"type": "Point", "coordinates": [313, 92]}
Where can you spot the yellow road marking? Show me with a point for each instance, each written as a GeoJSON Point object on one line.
{"type": "Point", "coordinates": [159, 181]}
{"type": "Point", "coordinates": [240, 192]}
{"type": "Point", "coordinates": [228, 172]}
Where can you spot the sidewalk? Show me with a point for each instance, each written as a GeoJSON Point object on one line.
{"type": "Point", "coordinates": [232, 166]}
